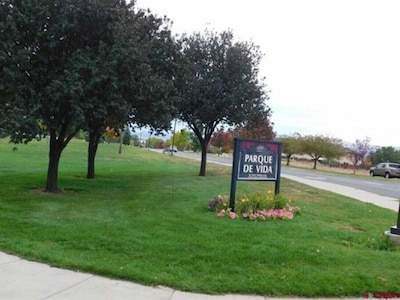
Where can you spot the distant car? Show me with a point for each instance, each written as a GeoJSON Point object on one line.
{"type": "Point", "coordinates": [387, 170]}
{"type": "Point", "coordinates": [170, 149]}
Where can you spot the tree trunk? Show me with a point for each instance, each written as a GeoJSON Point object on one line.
{"type": "Point", "coordinates": [203, 159]}
{"type": "Point", "coordinates": [315, 163]}
{"type": "Point", "coordinates": [54, 159]}
{"type": "Point", "coordinates": [288, 160]}
{"type": "Point", "coordinates": [94, 138]}
{"type": "Point", "coordinates": [120, 141]}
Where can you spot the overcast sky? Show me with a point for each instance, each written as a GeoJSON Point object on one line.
{"type": "Point", "coordinates": [332, 67]}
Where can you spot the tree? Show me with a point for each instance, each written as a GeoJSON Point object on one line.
{"type": "Point", "coordinates": [194, 142]}
{"type": "Point", "coordinates": [153, 95]}
{"type": "Point", "coordinates": [359, 151]}
{"type": "Point", "coordinates": [223, 139]}
{"type": "Point", "coordinates": [218, 83]}
{"type": "Point", "coordinates": [41, 42]}
{"type": "Point", "coordinates": [259, 127]}
{"type": "Point", "coordinates": [139, 84]}
{"type": "Point", "coordinates": [181, 139]}
{"type": "Point", "coordinates": [385, 154]}
{"type": "Point", "coordinates": [155, 143]}
{"type": "Point", "coordinates": [319, 146]}
{"type": "Point", "coordinates": [103, 71]}
{"type": "Point", "coordinates": [127, 137]}
{"type": "Point", "coordinates": [291, 145]}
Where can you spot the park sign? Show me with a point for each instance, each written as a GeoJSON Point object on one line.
{"type": "Point", "coordinates": [255, 160]}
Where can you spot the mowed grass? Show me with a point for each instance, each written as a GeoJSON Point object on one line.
{"type": "Point", "coordinates": [145, 219]}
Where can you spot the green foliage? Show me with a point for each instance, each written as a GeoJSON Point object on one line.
{"type": "Point", "coordinates": [218, 83]}
{"type": "Point", "coordinates": [291, 145]}
{"type": "Point", "coordinates": [385, 154]}
{"type": "Point", "coordinates": [72, 65]}
{"type": "Point", "coordinates": [126, 138]}
{"type": "Point", "coordinates": [264, 206]}
{"type": "Point", "coordinates": [319, 146]}
{"type": "Point", "coordinates": [218, 203]}
{"type": "Point", "coordinates": [180, 139]}
{"type": "Point", "coordinates": [135, 140]}
{"type": "Point", "coordinates": [195, 142]}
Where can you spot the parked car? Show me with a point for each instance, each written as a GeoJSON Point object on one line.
{"type": "Point", "coordinates": [387, 170]}
{"type": "Point", "coordinates": [170, 149]}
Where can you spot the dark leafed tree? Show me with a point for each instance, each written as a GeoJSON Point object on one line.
{"type": "Point", "coordinates": [128, 76]}
{"type": "Point", "coordinates": [43, 44]}
{"type": "Point", "coordinates": [218, 84]}
{"type": "Point", "coordinates": [45, 37]}
{"type": "Point", "coordinates": [102, 70]}
{"type": "Point", "coordinates": [153, 94]}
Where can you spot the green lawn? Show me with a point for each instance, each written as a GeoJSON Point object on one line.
{"type": "Point", "coordinates": [145, 219]}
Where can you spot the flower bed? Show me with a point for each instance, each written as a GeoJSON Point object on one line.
{"type": "Point", "coordinates": [259, 206]}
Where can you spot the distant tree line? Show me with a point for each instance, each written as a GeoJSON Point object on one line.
{"type": "Point", "coordinates": [361, 154]}
{"type": "Point", "coordinates": [319, 148]}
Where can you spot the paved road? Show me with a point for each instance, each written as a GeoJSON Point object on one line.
{"type": "Point", "coordinates": [376, 185]}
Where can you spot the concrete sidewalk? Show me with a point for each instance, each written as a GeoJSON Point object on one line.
{"type": "Point", "coordinates": [21, 279]}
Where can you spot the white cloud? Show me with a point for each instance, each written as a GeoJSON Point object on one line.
{"type": "Point", "coordinates": [333, 67]}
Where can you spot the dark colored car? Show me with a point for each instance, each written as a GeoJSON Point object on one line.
{"type": "Point", "coordinates": [170, 149]}
{"type": "Point", "coordinates": [387, 170]}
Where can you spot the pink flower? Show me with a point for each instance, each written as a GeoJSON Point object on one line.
{"type": "Point", "coordinates": [289, 215]}
{"type": "Point", "coordinates": [269, 213]}
{"type": "Point", "coordinates": [221, 213]}
{"type": "Point", "coordinates": [232, 215]}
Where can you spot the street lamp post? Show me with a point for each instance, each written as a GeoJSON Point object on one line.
{"type": "Point", "coordinates": [173, 139]}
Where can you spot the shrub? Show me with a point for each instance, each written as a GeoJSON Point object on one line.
{"type": "Point", "coordinates": [259, 206]}
{"type": "Point", "coordinates": [218, 203]}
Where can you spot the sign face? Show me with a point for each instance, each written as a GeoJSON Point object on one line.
{"type": "Point", "coordinates": [258, 160]}
{"type": "Point", "coordinates": [255, 160]}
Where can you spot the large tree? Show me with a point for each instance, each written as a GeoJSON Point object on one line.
{"type": "Point", "coordinates": [45, 35]}
{"type": "Point", "coordinates": [44, 44]}
{"type": "Point", "coordinates": [153, 94]}
{"type": "Point", "coordinates": [129, 77]}
{"type": "Point", "coordinates": [102, 67]}
{"type": "Point", "coordinates": [218, 83]}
